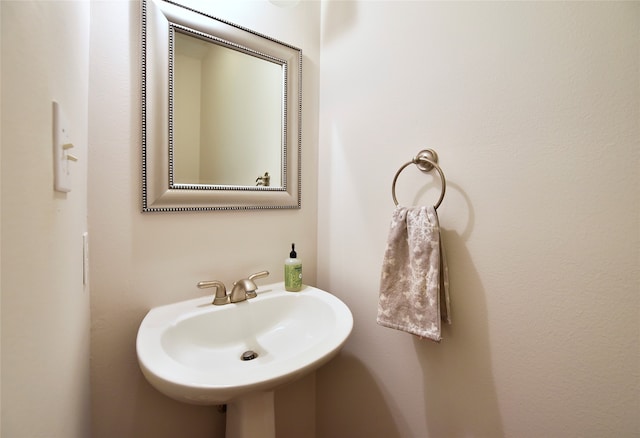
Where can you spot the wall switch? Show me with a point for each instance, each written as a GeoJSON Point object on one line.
{"type": "Point", "coordinates": [61, 151]}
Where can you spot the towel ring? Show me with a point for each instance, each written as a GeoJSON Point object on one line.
{"type": "Point", "coordinates": [426, 160]}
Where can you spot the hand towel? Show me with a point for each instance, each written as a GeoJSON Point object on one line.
{"type": "Point", "coordinates": [414, 283]}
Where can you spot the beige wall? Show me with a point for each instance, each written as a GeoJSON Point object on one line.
{"type": "Point", "coordinates": [534, 111]}
{"type": "Point", "coordinates": [533, 108]}
{"type": "Point", "coordinates": [45, 307]}
{"type": "Point", "coordinates": [144, 260]}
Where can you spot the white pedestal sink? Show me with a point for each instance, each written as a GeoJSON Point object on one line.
{"type": "Point", "coordinates": [192, 350]}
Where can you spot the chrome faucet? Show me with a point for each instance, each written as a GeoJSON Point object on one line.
{"type": "Point", "coordinates": [246, 289]}
{"type": "Point", "coordinates": [221, 296]}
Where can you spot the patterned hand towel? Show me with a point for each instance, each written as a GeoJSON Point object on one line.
{"type": "Point", "coordinates": [414, 284]}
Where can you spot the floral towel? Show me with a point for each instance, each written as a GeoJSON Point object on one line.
{"type": "Point", "coordinates": [414, 284]}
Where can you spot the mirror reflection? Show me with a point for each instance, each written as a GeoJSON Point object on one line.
{"type": "Point", "coordinates": [228, 114]}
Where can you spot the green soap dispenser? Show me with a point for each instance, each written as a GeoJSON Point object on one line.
{"type": "Point", "coordinates": [293, 271]}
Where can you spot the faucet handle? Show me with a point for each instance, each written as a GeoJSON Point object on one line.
{"type": "Point", "coordinates": [221, 291]}
{"type": "Point", "coordinates": [261, 274]}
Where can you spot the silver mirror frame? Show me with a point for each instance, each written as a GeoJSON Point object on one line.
{"type": "Point", "coordinates": [159, 194]}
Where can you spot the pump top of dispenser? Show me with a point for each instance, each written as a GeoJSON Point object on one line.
{"type": "Point", "coordinates": [293, 253]}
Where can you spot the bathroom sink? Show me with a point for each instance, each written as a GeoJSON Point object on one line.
{"type": "Point", "coordinates": [192, 351]}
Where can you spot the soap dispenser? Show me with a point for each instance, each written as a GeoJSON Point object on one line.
{"type": "Point", "coordinates": [293, 271]}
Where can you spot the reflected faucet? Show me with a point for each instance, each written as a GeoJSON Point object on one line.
{"type": "Point", "coordinates": [263, 180]}
{"type": "Point", "coordinates": [246, 289]}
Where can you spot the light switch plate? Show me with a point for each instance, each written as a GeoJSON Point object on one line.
{"type": "Point", "coordinates": [61, 146]}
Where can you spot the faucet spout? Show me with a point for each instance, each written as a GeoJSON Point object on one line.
{"type": "Point", "coordinates": [246, 288]}
{"type": "Point", "coordinates": [240, 290]}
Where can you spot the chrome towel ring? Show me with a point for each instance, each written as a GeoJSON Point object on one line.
{"type": "Point", "coordinates": [426, 160]}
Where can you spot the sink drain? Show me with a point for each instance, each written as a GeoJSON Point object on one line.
{"type": "Point", "coordinates": [249, 355]}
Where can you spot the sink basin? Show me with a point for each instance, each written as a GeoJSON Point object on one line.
{"type": "Point", "coordinates": [192, 350]}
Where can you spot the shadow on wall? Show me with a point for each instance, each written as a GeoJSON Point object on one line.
{"type": "Point", "coordinates": [347, 412]}
{"type": "Point", "coordinates": [341, 16]}
{"type": "Point", "coordinates": [459, 392]}
{"type": "Point", "coordinates": [457, 383]}
{"type": "Point", "coordinates": [156, 415]}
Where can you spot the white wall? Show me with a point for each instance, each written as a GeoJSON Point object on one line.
{"type": "Point", "coordinates": [139, 261]}
{"type": "Point", "coordinates": [45, 308]}
{"type": "Point", "coordinates": [534, 111]}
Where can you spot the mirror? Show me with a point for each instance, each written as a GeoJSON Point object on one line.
{"type": "Point", "coordinates": [210, 143]}
{"type": "Point", "coordinates": [221, 114]}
